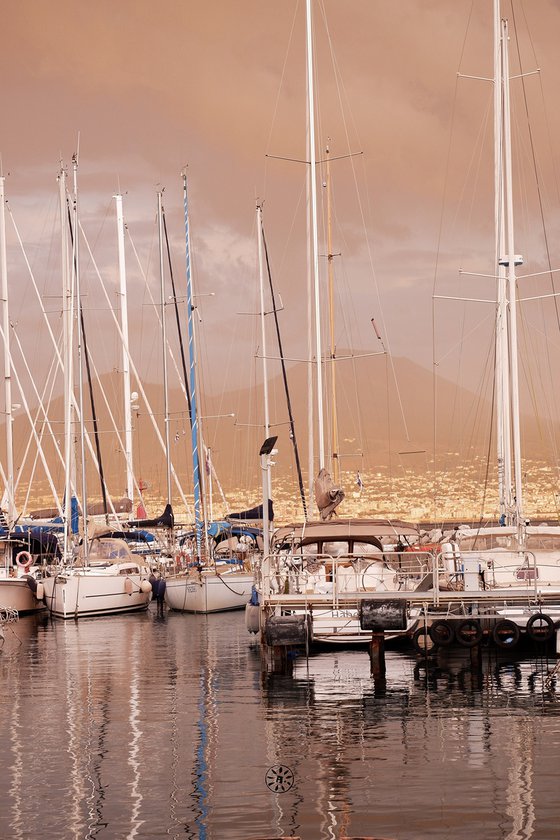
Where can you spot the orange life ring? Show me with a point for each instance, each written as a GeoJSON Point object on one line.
{"type": "Point", "coordinates": [28, 561]}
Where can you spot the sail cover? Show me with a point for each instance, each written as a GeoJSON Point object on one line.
{"type": "Point", "coordinates": [327, 495]}
{"type": "Point", "coordinates": [254, 513]}
{"type": "Point", "coordinates": [166, 520]}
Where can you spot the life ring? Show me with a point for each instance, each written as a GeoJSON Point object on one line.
{"type": "Point", "coordinates": [540, 627]}
{"type": "Point", "coordinates": [24, 564]}
{"type": "Point", "coordinates": [442, 632]}
{"type": "Point", "coordinates": [423, 642]}
{"type": "Point", "coordinates": [468, 632]}
{"type": "Point", "coordinates": [506, 633]}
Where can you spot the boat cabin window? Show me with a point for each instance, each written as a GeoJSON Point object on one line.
{"type": "Point", "coordinates": [365, 548]}
{"type": "Point", "coordinates": [540, 542]}
{"type": "Point", "coordinates": [339, 548]}
{"type": "Point", "coordinates": [113, 550]}
{"type": "Point", "coordinates": [336, 548]}
{"type": "Point", "coordinates": [508, 542]}
{"type": "Point", "coordinates": [310, 548]}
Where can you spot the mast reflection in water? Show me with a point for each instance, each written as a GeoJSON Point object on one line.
{"type": "Point", "coordinates": [145, 727]}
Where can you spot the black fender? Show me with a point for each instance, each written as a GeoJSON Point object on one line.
{"type": "Point", "coordinates": [442, 632]}
{"type": "Point", "coordinates": [468, 632]}
{"type": "Point", "coordinates": [540, 627]}
{"type": "Point", "coordinates": [506, 633]}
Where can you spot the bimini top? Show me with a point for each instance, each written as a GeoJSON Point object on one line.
{"type": "Point", "coordinates": [505, 538]}
{"type": "Point", "coordinates": [351, 529]}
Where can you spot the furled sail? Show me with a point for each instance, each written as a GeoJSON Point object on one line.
{"type": "Point", "coordinates": [166, 520]}
{"type": "Point", "coordinates": [327, 495]}
{"type": "Point", "coordinates": [255, 513]}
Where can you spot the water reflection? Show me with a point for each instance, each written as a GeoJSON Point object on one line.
{"type": "Point", "coordinates": [145, 726]}
{"type": "Point", "coordinates": [134, 750]}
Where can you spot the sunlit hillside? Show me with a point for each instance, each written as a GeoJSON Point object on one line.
{"type": "Point", "coordinates": [387, 444]}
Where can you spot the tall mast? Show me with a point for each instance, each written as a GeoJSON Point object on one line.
{"type": "Point", "coordinates": [263, 336]}
{"type": "Point", "coordinates": [7, 362]}
{"type": "Point", "coordinates": [125, 352]}
{"type": "Point", "coordinates": [314, 235]}
{"type": "Point", "coordinates": [503, 432]}
{"type": "Point", "coordinates": [209, 468]}
{"type": "Point", "coordinates": [510, 260]}
{"type": "Point", "coordinates": [330, 257]}
{"type": "Point", "coordinates": [164, 341]}
{"type": "Point", "coordinates": [67, 358]}
{"type": "Point", "coordinates": [76, 268]}
{"type": "Point", "coordinates": [198, 514]}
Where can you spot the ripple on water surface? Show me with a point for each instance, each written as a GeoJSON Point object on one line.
{"type": "Point", "coordinates": [147, 726]}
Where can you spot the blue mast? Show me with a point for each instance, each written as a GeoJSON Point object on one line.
{"type": "Point", "coordinates": [192, 383]}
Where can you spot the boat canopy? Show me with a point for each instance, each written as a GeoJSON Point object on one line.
{"type": "Point", "coordinates": [223, 530]}
{"type": "Point", "coordinates": [536, 538]}
{"type": "Point", "coordinates": [362, 530]}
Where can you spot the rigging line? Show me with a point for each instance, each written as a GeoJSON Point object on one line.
{"type": "Point", "coordinates": [351, 320]}
{"type": "Point", "coordinates": [134, 370]}
{"type": "Point", "coordinates": [285, 378]}
{"type": "Point", "coordinates": [364, 227]}
{"type": "Point", "coordinates": [473, 414]}
{"type": "Point", "coordinates": [489, 448]}
{"type": "Point", "coordinates": [201, 368]}
{"type": "Point", "coordinates": [177, 319]}
{"type": "Point", "coordinates": [539, 191]}
{"type": "Point", "coordinates": [478, 414]}
{"type": "Point", "coordinates": [46, 425]}
{"type": "Point", "coordinates": [389, 441]}
{"type": "Point", "coordinates": [89, 381]}
{"type": "Point", "coordinates": [156, 307]}
{"type": "Point", "coordinates": [474, 166]}
{"type": "Point", "coordinates": [182, 383]}
{"type": "Point", "coordinates": [527, 334]}
{"type": "Point", "coordinates": [34, 430]}
{"type": "Point", "coordinates": [439, 240]}
{"type": "Point", "coordinates": [460, 342]}
{"type": "Point", "coordinates": [94, 417]}
{"type": "Point", "coordinates": [114, 423]}
{"type": "Point", "coordinates": [535, 168]}
{"type": "Point", "coordinates": [277, 100]}
{"type": "Point", "coordinates": [548, 393]}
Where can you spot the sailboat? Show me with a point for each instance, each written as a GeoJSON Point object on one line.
{"type": "Point", "coordinates": [207, 584]}
{"type": "Point", "coordinates": [318, 572]}
{"type": "Point", "coordinates": [19, 588]}
{"type": "Point", "coordinates": [100, 576]}
{"type": "Point", "coordinates": [512, 555]}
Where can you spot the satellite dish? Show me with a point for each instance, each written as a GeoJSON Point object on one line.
{"type": "Point", "coordinates": [134, 396]}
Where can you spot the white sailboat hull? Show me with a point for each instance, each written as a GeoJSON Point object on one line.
{"type": "Point", "coordinates": [209, 592]}
{"type": "Point", "coordinates": [15, 594]}
{"type": "Point", "coordinates": [78, 594]}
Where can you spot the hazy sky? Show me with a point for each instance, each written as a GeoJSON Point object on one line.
{"type": "Point", "coordinates": [151, 87]}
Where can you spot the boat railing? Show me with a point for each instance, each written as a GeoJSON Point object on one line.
{"type": "Point", "coordinates": [332, 578]}
{"type": "Point", "coordinates": [503, 569]}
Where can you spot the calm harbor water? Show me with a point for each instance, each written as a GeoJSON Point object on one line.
{"type": "Point", "coordinates": [148, 727]}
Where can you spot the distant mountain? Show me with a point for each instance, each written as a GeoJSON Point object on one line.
{"type": "Point", "coordinates": [385, 417]}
